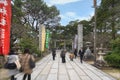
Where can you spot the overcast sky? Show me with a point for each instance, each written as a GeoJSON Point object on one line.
{"type": "Point", "coordinates": [71, 10]}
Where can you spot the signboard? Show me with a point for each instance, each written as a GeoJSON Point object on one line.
{"type": "Point", "coordinates": [5, 22]}
{"type": "Point", "coordinates": [42, 35]}
{"type": "Point", "coordinates": [47, 38]}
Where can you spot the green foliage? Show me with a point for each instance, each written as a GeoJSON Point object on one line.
{"type": "Point", "coordinates": [113, 59]}
{"type": "Point", "coordinates": [27, 15]}
{"type": "Point", "coordinates": [70, 30]}
{"type": "Point", "coordinates": [40, 13]}
{"type": "Point", "coordinates": [17, 11]}
{"type": "Point", "coordinates": [116, 45]}
{"type": "Point", "coordinates": [87, 27]}
{"type": "Point", "coordinates": [107, 15]}
{"type": "Point", "coordinates": [28, 43]}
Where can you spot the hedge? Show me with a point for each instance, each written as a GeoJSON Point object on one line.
{"type": "Point", "coordinates": [113, 60]}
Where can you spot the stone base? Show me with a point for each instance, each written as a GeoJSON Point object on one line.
{"type": "Point", "coordinates": [100, 64]}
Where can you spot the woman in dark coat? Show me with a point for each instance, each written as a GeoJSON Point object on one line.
{"type": "Point", "coordinates": [25, 64]}
{"type": "Point", "coordinates": [63, 53]}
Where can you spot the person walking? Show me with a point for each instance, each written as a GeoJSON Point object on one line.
{"type": "Point", "coordinates": [63, 52]}
{"type": "Point", "coordinates": [12, 58]}
{"type": "Point", "coordinates": [53, 53]}
{"type": "Point", "coordinates": [75, 53]}
{"type": "Point", "coordinates": [81, 53]}
{"type": "Point", "coordinates": [25, 64]}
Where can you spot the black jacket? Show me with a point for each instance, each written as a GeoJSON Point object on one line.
{"type": "Point", "coordinates": [81, 52]}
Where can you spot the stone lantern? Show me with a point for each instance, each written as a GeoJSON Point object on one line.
{"type": "Point", "coordinates": [100, 60]}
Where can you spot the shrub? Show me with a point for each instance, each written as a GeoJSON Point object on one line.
{"type": "Point", "coordinates": [116, 46]}
{"type": "Point", "coordinates": [113, 59]}
{"type": "Point", "coordinates": [29, 43]}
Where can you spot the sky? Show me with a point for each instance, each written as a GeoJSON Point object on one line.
{"type": "Point", "coordinates": [71, 10]}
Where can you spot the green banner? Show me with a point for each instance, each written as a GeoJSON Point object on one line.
{"type": "Point", "coordinates": [47, 38]}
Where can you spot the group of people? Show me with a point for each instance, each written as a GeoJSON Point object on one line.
{"type": "Point", "coordinates": [82, 53]}
{"type": "Point", "coordinates": [21, 62]}
{"type": "Point", "coordinates": [62, 55]}
{"type": "Point", "coordinates": [24, 60]}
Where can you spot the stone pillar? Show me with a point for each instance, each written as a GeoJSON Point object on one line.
{"type": "Point", "coordinates": [72, 45]}
{"type": "Point", "coordinates": [80, 36]}
{"type": "Point", "coordinates": [76, 42]}
{"type": "Point", "coordinates": [40, 30]}
{"type": "Point", "coordinates": [55, 44]}
{"type": "Point", "coordinates": [64, 45]}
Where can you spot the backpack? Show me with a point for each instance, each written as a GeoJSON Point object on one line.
{"type": "Point", "coordinates": [10, 65]}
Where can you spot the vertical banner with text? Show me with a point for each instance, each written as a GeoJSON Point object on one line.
{"type": "Point", "coordinates": [5, 22]}
{"type": "Point", "coordinates": [47, 38]}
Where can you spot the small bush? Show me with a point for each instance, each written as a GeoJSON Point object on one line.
{"type": "Point", "coordinates": [113, 60]}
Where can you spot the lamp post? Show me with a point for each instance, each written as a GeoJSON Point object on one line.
{"type": "Point", "coordinates": [95, 24]}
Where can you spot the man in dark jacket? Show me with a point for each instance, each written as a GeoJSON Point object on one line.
{"type": "Point", "coordinates": [53, 53]}
{"type": "Point", "coordinates": [75, 53]}
{"type": "Point", "coordinates": [81, 53]}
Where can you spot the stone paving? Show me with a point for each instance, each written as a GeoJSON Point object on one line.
{"type": "Point", "coordinates": [47, 69]}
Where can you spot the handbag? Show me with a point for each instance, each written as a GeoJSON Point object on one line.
{"type": "Point", "coordinates": [10, 65]}
{"type": "Point", "coordinates": [31, 63]}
